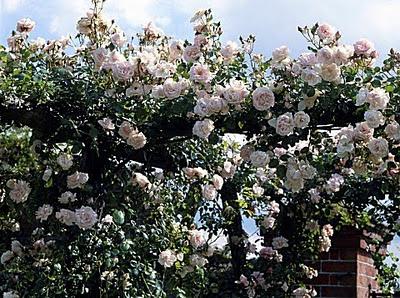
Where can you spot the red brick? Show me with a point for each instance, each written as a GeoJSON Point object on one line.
{"type": "Point", "coordinates": [343, 280]}
{"type": "Point", "coordinates": [348, 254]}
{"type": "Point", "coordinates": [338, 266]}
{"type": "Point", "coordinates": [321, 279]}
{"type": "Point", "coordinates": [334, 254]}
{"type": "Point", "coordinates": [338, 291]}
{"type": "Point", "coordinates": [366, 269]}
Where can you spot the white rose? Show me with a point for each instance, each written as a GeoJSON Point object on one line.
{"type": "Point", "coordinates": [310, 76]}
{"type": "Point", "coordinates": [137, 140]}
{"type": "Point", "coordinates": [126, 129]}
{"type": "Point", "coordinates": [65, 161]}
{"type": "Point", "coordinates": [167, 258]}
{"type": "Point", "coordinates": [263, 99]}
{"type": "Point", "coordinates": [284, 124]}
{"type": "Point", "coordinates": [123, 71]}
{"type": "Point", "coordinates": [364, 47]}
{"type": "Point", "coordinates": [374, 118]}
{"type": "Point", "coordinates": [378, 147]}
{"type": "Point", "coordinates": [66, 216]}
{"type": "Point", "coordinates": [377, 99]}
{"type": "Point", "coordinates": [203, 129]}
{"type": "Point", "coordinates": [280, 54]}
{"type": "Point", "coordinates": [17, 248]}
{"type": "Point", "coordinates": [326, 31]}
{"type": "Point", "coordinates": [330, 72]}
{"type": "Point", "coordinates": [363, 132]}
{"type": "Point", "coordinates": [20, 191]}
{"type": "Point", "coordinates": [141, 180]}
{"type": "Point", "coordinates": [6, 256]}
{"type": "Point", "coordinates": [197, 238]}
{"type": "Point", "coordinates": [279, 242]}
{"type": "Point", "coordinates": [259, 159]}
{"type": "Point", "coordinates": [307, 59]}
{"type": "Point", "coordinates": [200, 73]}
{"type": "Point", "coordinates": [118, 39]}
{"type": "Point", "coordinates": [325, 55]}
{"type": "Point", "coordinates": [392, 130]}
{"type": "Point", "coordinates": [157, 92]}
{"type": "Point", "coordinates": [171, 88]}
{"type": "Point", "coordinates": [218, 181]}
{"type": "Point", "coordinates": [100, 56]}
{"type": "Point", "coordinates": [362, 96]}
{"type": "Point", "coordinates": [25, 25]}
{"type": "Point", "coordinates": [44, 212]}
{"type": "Point", "coordinates": [85, 217]}
{"type": "Point", "coordinates": [67, 197]}
{"type": "Point", "coordinates": [342, 54]}
{"type": "Point", "coordinates": [235, 92]}
{"type": "Point", "coordinates": [106, 123]}
{"type": "Point", "coordinates": [191, 53]}
{"type": "Point", "coordinates": [229, 50]}
{"type": "Point", "coordinates": [175, 50]}
{"type": "Point", "coordinates": [77, 180]}
{"type": "Point", "coordinates": [209, 192]}
{"type": "Point", "coordinates": [228, 170]}
{"type": "Point", "coordinates": [84, 26]}
{"type": "Point", "coordinates": [301, 119]}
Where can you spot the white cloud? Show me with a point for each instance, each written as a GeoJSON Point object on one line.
{"type": "Point", "coordinates": [10, 5]}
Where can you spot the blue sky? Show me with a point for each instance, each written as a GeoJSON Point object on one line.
{"type": "Point", "coordinates": [273, 22]}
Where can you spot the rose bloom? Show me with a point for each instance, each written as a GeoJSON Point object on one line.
{"type": "Point", "coordinates": [66, 216]}
{"type": "Point", "coordinates": [327, 230]}
{"type": "Point", "coordinates": [307, 59]}
{"type": "Point", "coordinates": [6, 256]}
{"type": "Point", "coordinates": [141, 180]}
{"type": "Point", "coordinates": [203, 129]}
{"type": "Point", "coordinates": [259, 159]}
{"type": "Point", "coordinates": [112, 58]}
{"type": "Point", "coordinates": [324, 244]}
{"type": "Point", "coordinates": [377, 99]}
{"type": "Point", "coordinates": [106, 123]}
{"type": "Point", "coordinates": [126, 129]}
{"type": "Point", "coordinates": [330, 72]}
{"type": "Point", "coordinates": [326, 31]}
{"type": "Point", "coordinates": [209, 192]}
{"type": "Point", "coordinates": [263, 99]}
{"type": "Point", "coordinates": [325, 55]}
{"type": "Point", "coordinates": [118, 39]}
{"type": "Point", "coordinates": [167, 258]}
{"type": "Point", "coordinates": [152, 32]}
{"type": "Point", "coordinates": [200, 73]}
{"type": "Point", "coordinates": [137, 140]}
{"type": "Point", "coordinates": [99, 56]}
{"type": "Point", "coordinates": [268, 222]}
{"type": "Point", "coordinates": [258, 191]}
{"type": "Point", "coordinates": [301, 119]}
{"type": "Point", "coordinates": [192, 173]}
{"type": "Point", "coordinates": [123, 71]}
{"type": "Point", "coordinates": [85, 217]}
{"type": "Point", "coordinates": [191, 53]}
{"type": "Point", "coordinates": [229, 50]}
{"type": "Point", "coordinates": [25, 25]}
{"type": "Point", "coordinates": [267, 252]}
{"type": "Point", "coordinates": [67, 197]}
{"type": "Point", "coordinates": [171, 88]}
{"type": "Point", "coordinates": [157, 92]}
{"type": "Point", "coordinates": [284, 124]}
{"type": "Point", "coordinates": [197, 260]}
{"type": "Point", "coordinates": [228, 170]}
{"type": "Point", "coordinates": [246, 151]}
{"type": "Point", "coordinates": [84, 26]}
{"type": "Point", "coordinates": [342, 54]}
{"type": "Point", "coordinates": [363, 132]}
{"type": "Point", "coordinates": [217, 181]}
{"type": "Point", "coordinates": [364, 47]}
{"type": "Point", "coordinates": [65, 161]}
{"type": "Point", "coordinates": [392, 130]}
{"type": "Point", "coordinates": [200, 40]}
{"type": "Point", "coordinates": [279, 242]}
{"type": "Point", "coordinates": [280, 54]}
{"type": "Point", "coordinates": [374, 118]}
{"type": "Point", "coordinates": [197, 238]}
{"type": "Point", "coordinates": [44, 212]}
{"type": "Point", "coordinates": [77, 180]}
{"type": "Point", "coordinates": [361, 96]}
{"type": "Point", "coordinates": [310, 76]}
{"type": "Point", "coordinates": [20, 191]}
{"type": "Point", "coordinates": [235, 92]}
{"type": "Point", "coordinates": [334, 183]}
{"type": "Point", "coordinates": [175, 50]}
{"type": "Point", "coordinates": [17, 248]}
{"type": "Point", "coordinates": [378, 147]}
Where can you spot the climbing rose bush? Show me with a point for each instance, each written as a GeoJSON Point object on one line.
{"type": "Point", "coordinates": [129, 165]}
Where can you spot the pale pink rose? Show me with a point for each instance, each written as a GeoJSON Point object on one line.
{"type": "Point", "coordinates": [137, 89]}
{"type": "Point", "coordinates": [280, 151]}
{"type": "Point", "coordinates": [325, 55]}
{"type": "Point", "coordinates": [123, 71]}
{"type": "Point", "coordinates": [362, 96]}
{"type": "Point", "coordinates": [99, 56]}
{"type": "Point", "coordinates": [65, 161]}
{"type": "Point", "coordinates": [279, 242]}
{"type": "Point", "coordinates": [106, 123]}
{"type": "Point", "coordinates": [259, 159]}
{"type": "Point", "coordinates": [326, 31]}
{"type": "Point", "coordinates": [209, 192]}
{"type": "Point", "coordinates": [17, 248]}
{"type": "Point", "coordinates": [280, 54]}
{"type": "Point", "coordinates": [243, 281]}
{"type": "Point", "coordinates": [342, 54]}
{"type": "Point", "coordinates": [327, 230]}
{"type": "Point", "coordinates": [192, 173]}
{"type": "Point", "coordinates": [377, 99]}
{"type": "Point", "coordinates": [307, 59]}
{"type": "Point", "coordinates": [162, 69]}
{"type": "Point", "coordinates": [324, 244]}
{"type": "Point", "coordinates": [217, 181]}
{"type": "Point", "coordinates": [191, 53]}
{"type": "Point", "coordinates": [228, 170]}
{"type": "Point", "coordinates": [200, 40]}
{"type": "Point", "coordinates": [197, 260]}
{"type": "Point", "coordinates": [363, 132]}
{"type": "Point", "coordinates": [229, 50]}
{"type": "Point", "coordinates": [334, 183]}
{"type": "Point", "coordinates": [67, 197]}
{"type": "Point", "coordinates": [66, 216]}
{"type": "Point", "coordinates": [263, 99]}
{"type": "Point", "coordinates": [126, 129]}
{"type": "Point", "coordinates": [167, 258]}
{"type": "Point", "coordinates": [175, 50]}
{"type": "Point", "coordinates": [378, 147]}
{"type": "Point", "coordinates": [85, 217]}
{"type": "Point", "coordinates": [157, 92]}
{"type": "Point", "coordinates": [301, 119]}
{"type": "Point", "coordinates": [284, 124]}
{"type": "Point", "coordinates": [25, 25]}
{"type": "Point", "coordinates": [151, 31]}
{"type": "Point", "coordinates": [236, 92]}
{"type": "Point", "coordinates": [20, 191]}
{"type": "Point", "coordinates": [171, 88]}
{"type": "Point", "coordinates": [392, 130]}
{"type": "Point", "coordinates": [118, 39]}
{"type": "Point", "coordinates": [267, 252]}
{"type": "Point", "coordinates": [15, 41]}
{"type": "Point", "coordinates": [137, 140]}
{"type": "Point", "coordinates": [77, 180]}
{"type": "Point", "coordinates": [141, 180]}
{"type": "Point", "coordinates": [84, 26]}
{"type": "Point", "coordinates": [200, 73]}
{"type": "Point", "coordinates": [44, 212]}
{"type": "Point", "coordinates": [268, 222]}
{"type": "Point", "coordinates": [310, 76]}
{"type": "Point", "coordinates": [330, 72]}
{"type": "Point", "coordinates": [374, 118]}
{"type": "Point", "coordinates": [112, 58]}
{"type": "Point", "coordinates": [203, 128]}
{"type": "Point", "coordinates": [197, 238]}
{"type": "Point", "coordinates": [364, 47]}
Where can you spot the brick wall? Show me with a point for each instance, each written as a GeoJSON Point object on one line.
{"type": "Point", "coordinates": [347, 270]}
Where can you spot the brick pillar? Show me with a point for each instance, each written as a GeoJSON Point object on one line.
{"type": "Point", "coordinates": [347, 270]}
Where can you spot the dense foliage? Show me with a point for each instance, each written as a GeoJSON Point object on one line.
{"type": "Point", "coordinates": [125, 163]}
